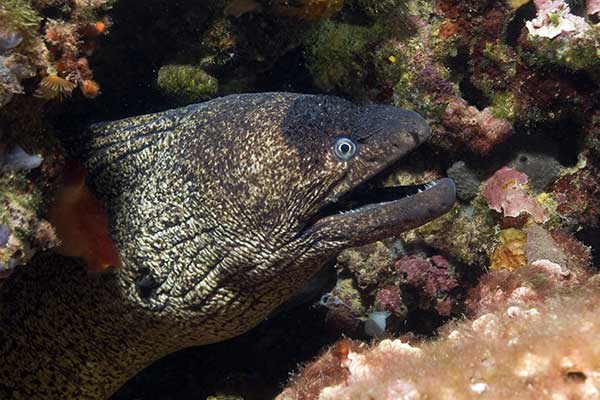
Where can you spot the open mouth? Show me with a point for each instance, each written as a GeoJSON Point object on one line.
{"type": "Point", "coordinates": [369, 195]}
{"type": "Point", "coordinates": [365, 198]}
{"type": "Point", "coordinates": [369, 213]}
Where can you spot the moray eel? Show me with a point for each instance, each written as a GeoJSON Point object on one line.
{"type": "Point", "coordinates": [221, 211]}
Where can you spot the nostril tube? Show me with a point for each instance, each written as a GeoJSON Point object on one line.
{"type": "Point", "coordinates": [421, 128]}
{"type": "Point", "coordinates": [414, 124]}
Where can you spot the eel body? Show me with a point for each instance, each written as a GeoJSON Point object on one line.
{"type": "Point", "coordinates": [220, 211]}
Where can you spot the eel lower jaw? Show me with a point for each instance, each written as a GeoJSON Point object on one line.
{"type": "Point", "coordinates": [412, 207]}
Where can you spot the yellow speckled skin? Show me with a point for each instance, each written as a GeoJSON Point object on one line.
{"type": "Point", "coordinates": [214, 208]}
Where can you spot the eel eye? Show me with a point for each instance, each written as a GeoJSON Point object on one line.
{"type": "Point", "coordinates": [344, 149]}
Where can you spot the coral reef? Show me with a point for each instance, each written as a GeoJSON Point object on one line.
{"type": "Point", "coordinates": [434, 277]}
{"type": "Point", "coordinates": [59, 56]}
{"type": "Point", "coordinates": [368, 263]}
{"type": "Point", "coordinates": [22, 230]}
{"type": "Point", "coordinates": [376, 9]}
{"type": "Point", "coordinates": [510, 253]}
{"type": "Point", "coordinates": [380, 289]}
{"type": "Point", "coordinates": [467, 180]}
{"type": "Point", "coordinates": [578, 196]}
{"type": "Point", "coordinates": [506, 192]}
{"type": "Point", "coordinates": [511, 91]}
{"type": "Point", "coordinates": [563, 38]}
{"type": "Point", "coordinates": [345, 310]}
{"type": "Point", "coordinates": [336, 56]}
{"type": "Point", "coordinates": [555, 263]}
{"type": "Point", "coordinates": [466, 233]}
{"type": "Point", "coordinates": [541, 169]}
{"type": "Point", "coordinates": [14, 67]}
{"type": "Point", "coordinates": [515, 351]}
{"type": "Point", "coordinates": [44, 51]}
{"type": "Point", "coordinates": [301, 9]}
{"type": "Point", "coordinates": [480, 130]}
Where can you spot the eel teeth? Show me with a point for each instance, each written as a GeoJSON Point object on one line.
{"type": "Point", "coordinates": [348, 211]}
{"type": "Point", "coordinates": [419, 189]}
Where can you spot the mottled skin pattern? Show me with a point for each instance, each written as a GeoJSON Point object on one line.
{"type": "Point", "coordinates": [214, 208]}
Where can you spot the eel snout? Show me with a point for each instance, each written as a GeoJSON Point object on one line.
{"type": "Point", "coordinates": [399, 130]}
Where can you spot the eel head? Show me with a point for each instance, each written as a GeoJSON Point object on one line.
{"type": "Point", "coordinates": [223, 210]}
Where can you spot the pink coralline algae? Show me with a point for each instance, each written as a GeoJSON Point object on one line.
{"type": "Point", "coordinates": [480, 130]}
{"type": "Point", "coordinates": [578, 196]}
{"type": "Point", "coordinates": [433, 277]}
{"type": "Point", "coordinates": [555, 262]}
{"type": "Point", "coordinates": [390, 299]}
{"type": "Point", "coordinates": [593, 7]}
{"type": "Point", "coordinates": [506, 192]}
{"type": "Point", "coordinates": [554, 18]}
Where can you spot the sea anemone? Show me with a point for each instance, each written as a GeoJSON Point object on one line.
{"type": "Point", "coordinates": [53, 86]}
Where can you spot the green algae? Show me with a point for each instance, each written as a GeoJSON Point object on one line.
{"type": "Point", "coordinates": [496, 69]}
{"type": "Point", "coordinates": [19, 15]}
{"type": "Point", "coordinates": [14, 191]}
{"type": "Point", "coordinates": [367, 263]}
{"type": "Point", "coordinates": [347, 292]}
{"type": "Point", "coordinates": [468, 234]}
{"type": "Point", "coordinates": [187, 83]}
{"type": "Point", "coordinates": [503, 105]}
{"type": "Point", "coordinates": [19, 206]}
{"type": "Point", "coordinates": [578, 53]}
{"type": "Point", "coordinates": [550, 204]}
{"type": "Point", "coordinates": [417, 73]}
{"type": "Point", "coordinates": [592, 139]}
{"type": "Point", "coordinates": [413, 93]}
{"type": "Point", "coordinates": [338, 54]}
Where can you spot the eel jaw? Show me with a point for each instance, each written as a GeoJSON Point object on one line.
{"type": "Point", "coordinates": [376, 221]}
